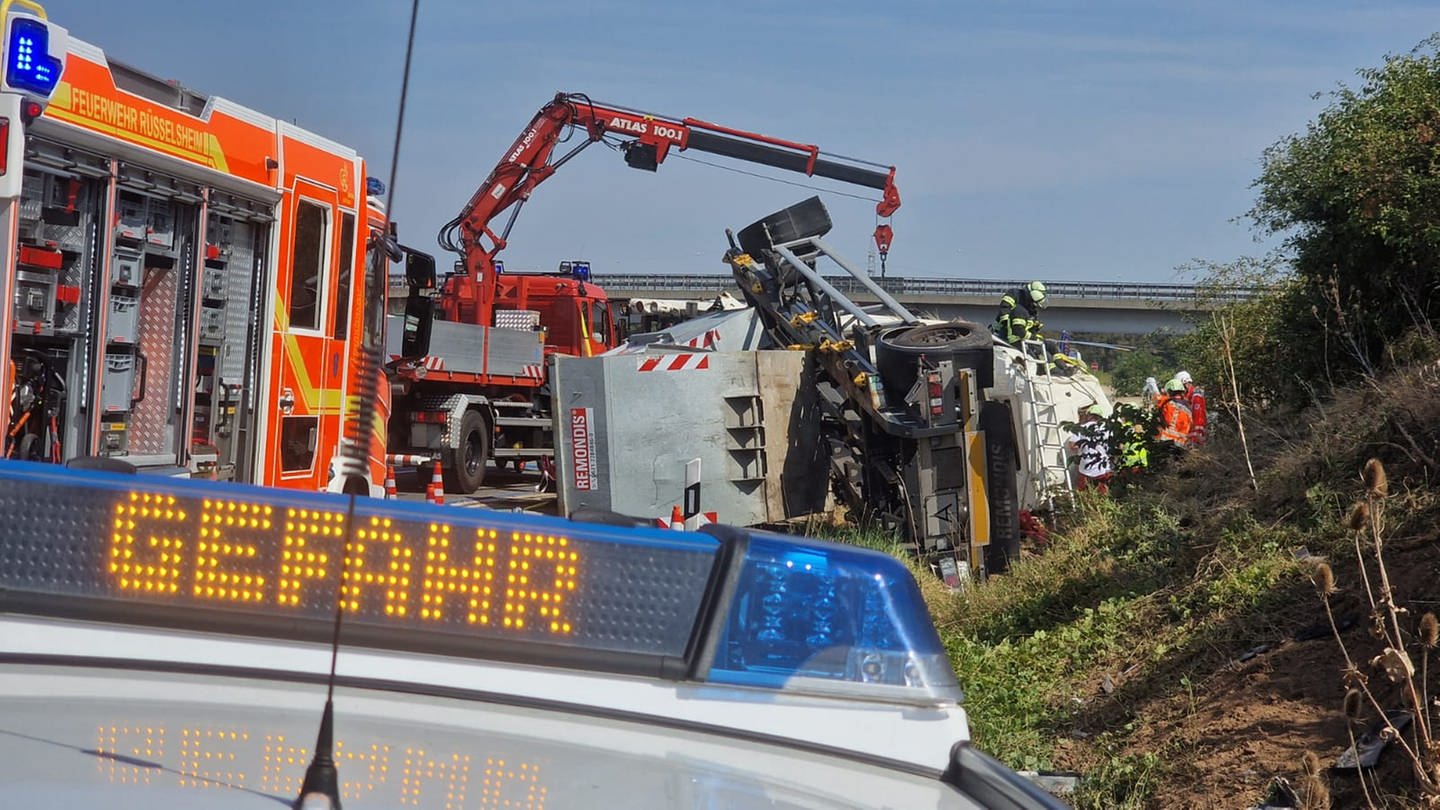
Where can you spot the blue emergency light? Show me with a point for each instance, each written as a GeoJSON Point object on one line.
{"type": "Point", "coordinates": [720, 606]}
{"type": "Point", "coordinates": [30, 67]}
{"type": "Point", "coordinates": [581, 270]}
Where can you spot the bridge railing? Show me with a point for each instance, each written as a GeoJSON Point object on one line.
{"type": "Point", "coordinates": [947, 287]}
{"type": "Point", "coordinates": [689, 285]}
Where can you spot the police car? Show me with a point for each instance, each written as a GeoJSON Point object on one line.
{"type": "Point", "coordinates": [169, 643]}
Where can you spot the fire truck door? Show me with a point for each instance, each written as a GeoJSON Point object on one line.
{"type": "Point", "coordinates": [305, 408]}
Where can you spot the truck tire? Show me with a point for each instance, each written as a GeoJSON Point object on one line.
{"type": "Point", "coordinates": [1003, 490]}
{"type": "Point", "coordinates": [464, 466]}
{"type": "Point", "coordinates": [898, 352]}
{"type": "Point", "coordinates": [800, 221]}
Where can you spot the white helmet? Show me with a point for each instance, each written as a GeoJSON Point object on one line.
{"type": "Point", "coordinates": [1183, 376]}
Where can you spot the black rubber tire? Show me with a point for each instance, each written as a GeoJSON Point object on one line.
{"type": "Point", "coordinates": [898, 352]}
{"type": "Point", "coordinates": [464, 468]}
{"type": "Point", "coordinates": [799, 221]}
{"type": "Point", "coordinates": [1003, 489]}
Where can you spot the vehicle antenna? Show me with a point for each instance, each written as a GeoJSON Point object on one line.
{"type": "Point", "coordinates": [320, 789]}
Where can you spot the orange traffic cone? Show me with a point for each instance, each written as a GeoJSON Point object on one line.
{"type": "Point", "coordinates": [677, 520]}
{"type": "Point", "coordinates": [436, 492]}
{"type": "Point", "coordinates": [390, 493]}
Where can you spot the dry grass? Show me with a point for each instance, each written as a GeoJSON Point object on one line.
{"type": "Point", "coordinates": [1163, 633]}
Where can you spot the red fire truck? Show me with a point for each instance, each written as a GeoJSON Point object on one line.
{"type": "Point", "coordinates": [184, 283]}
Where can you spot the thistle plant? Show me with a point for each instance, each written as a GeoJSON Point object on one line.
{"type": "Point", "coordinates": [1394, 662]}
{"type": "Point", "coordinates": [1314, 793]}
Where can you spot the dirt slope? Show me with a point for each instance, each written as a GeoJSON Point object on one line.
{"type": "Point", "coordinates": [1243, 700]}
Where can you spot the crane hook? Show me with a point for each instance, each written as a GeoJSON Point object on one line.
{"type": "Point", "coordinates": [883, 236]}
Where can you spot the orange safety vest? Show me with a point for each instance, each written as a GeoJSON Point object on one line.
{"type": "Point", "coordinates": [1175, 422]}
{"type": "Point", "coordinates": [1199, 418]}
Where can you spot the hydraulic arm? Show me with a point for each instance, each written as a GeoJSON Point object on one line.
{"type": "Point", "coordinates": [645, 140]}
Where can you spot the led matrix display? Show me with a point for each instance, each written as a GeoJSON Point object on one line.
{"type": "Point", "coordinates": [272, 554]}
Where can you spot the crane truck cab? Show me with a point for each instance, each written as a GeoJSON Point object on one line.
{"type": "Point", "coordinates": [466, 392]}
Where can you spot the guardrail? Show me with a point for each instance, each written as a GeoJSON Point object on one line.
{"type": "Point", "coordinates": [951, 287]}
{"type": "Point", "coordinates": [932, 287]}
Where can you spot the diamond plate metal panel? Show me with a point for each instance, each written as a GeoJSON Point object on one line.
{"type": "Point", "coordinates": [73, 274]}
{"type": "Point", "coordinates": [150, 425]}
{"type": "Point", "coordinates": [239, 275]}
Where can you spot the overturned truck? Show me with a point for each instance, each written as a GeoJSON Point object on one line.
{"type": "Point", "coordinates": [931, 428]}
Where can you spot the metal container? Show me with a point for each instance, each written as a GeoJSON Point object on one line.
{"type": "Point", "coordinates": [123, 323]}
{"type": "Point", "coordinates": [626, 426]}
{"type": "Point", "coordinates": [118, 384]}
{"type": "Point", "coordinates": [34, 298]}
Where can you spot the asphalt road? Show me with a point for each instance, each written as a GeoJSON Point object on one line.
{"type": "Point", "coordinates": [505, 490]}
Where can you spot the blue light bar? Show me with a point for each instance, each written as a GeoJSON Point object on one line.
{"type": "Point", "coordinates": [723, 606]}
{"type": "Point", "coordinates": [374, 187]}
{"type": "Point", "coordinates": [28, 63]}
{"type": "Point", "coordinates": [830, 618]}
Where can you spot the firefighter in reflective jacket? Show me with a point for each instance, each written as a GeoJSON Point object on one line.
{"type": "Point", "coordinates": [1019, 314]}
{"type": "Point", "coordinates": [1195, 398]}
{"type": "Point", "coordinates": [1175, 417]}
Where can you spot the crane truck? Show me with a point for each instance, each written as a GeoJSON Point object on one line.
{"type": "Point", "coordinates": [469, 366]}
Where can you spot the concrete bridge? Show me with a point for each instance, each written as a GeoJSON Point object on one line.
{"type": "Point", "coordinates": [1077, 306]}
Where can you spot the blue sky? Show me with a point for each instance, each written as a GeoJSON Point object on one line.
{"type": "Point", "coordinates": [1055, 139]}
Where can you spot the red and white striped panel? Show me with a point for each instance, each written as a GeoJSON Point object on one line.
{"type": "Point", "coordinates": [675, 362]}
{"type": "Point", "coordinates": [430, 363]}
{"type": "Point", "coordinates": [704, 341]}
{"type": "Point", "coordinates": [401, 460]}
{"type": "Point", "coordinates": [534, 371]}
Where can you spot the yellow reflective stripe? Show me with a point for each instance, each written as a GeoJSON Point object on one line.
{"type": "Point", "coordinates": [977, 488]}
{"type": "Point", "coordinates": [212, 156]}
{"type": "Point", "coordinates": [317, 400]}
{"type": "Point", "coordinates": [584, 330]}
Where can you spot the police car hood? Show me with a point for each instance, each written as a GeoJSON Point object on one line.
{"type": "Point", "coordinates": [99, 737]}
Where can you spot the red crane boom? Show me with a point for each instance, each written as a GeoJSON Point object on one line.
{"type": "Point", "coordinates": [646, 140]}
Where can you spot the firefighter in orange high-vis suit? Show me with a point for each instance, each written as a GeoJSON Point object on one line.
{"type": "Point", "coordinates": [1175, 418]}
{"type": "Point", "coordinates": [1195, 398]}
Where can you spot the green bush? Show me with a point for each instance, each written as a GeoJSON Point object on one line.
{"type": "Point", "coordinates": [1357, 196]}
